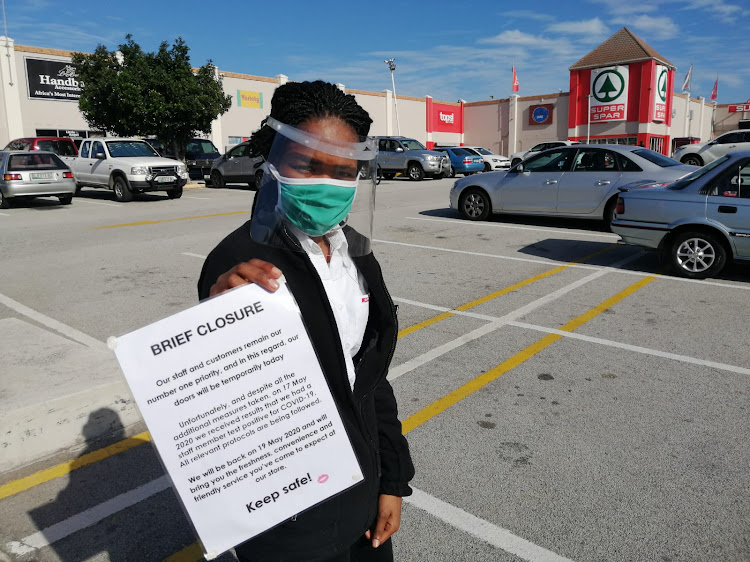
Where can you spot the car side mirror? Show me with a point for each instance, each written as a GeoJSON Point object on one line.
{"type": "Point", "coordinates": [100, 156]}
{"type": "Point", "coordinates": [519, 168]}
{"type": "Point", "coordinates": [399, 149]}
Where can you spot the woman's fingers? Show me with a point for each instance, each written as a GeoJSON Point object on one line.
{"type": "Point", "coordinates": [388, 521]}
{"type": "Point", "coordinates": [255, 271]}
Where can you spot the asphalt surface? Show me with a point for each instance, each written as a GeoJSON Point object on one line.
{"type": "Point", "coordinates": [569, 402]}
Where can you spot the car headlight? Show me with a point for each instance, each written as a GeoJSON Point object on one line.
{"type": "Point", "coordinates": [139, 170]}
{"type": "Point", "coordinates": [432, 158]}
{"type": "Point", "coordinates": [181, 168]}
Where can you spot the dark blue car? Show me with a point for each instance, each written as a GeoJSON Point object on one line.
{"type": "Point", "coordinates": [462, 161]}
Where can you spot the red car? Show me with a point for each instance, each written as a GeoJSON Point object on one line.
{"type": "Point", "coordinates": [62, 146]}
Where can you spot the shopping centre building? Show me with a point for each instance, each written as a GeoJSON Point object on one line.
{"type": "Point", "coordinates": [621, 92]}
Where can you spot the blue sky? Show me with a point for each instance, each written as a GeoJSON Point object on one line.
{"type": "Point", "coordinates": [448, 50]}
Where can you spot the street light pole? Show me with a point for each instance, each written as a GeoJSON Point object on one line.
{"type": "Point", "coordinates": [392, 66]}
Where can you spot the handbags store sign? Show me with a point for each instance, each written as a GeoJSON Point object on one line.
{"type": "Point", "coordinates": [52, 80]}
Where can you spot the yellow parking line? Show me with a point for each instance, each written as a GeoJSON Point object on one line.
{"type": "Point", "coordinates": [191, 553]}
{"type": "Point", "coordinates": [62, 469]}
{"type": "Point", "coordinates": [141, 223]}
{"type": "Point", "coordinates": [501, 292]}
{"type": "Point", "coordinates": [442, 404]}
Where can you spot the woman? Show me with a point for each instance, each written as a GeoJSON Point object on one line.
{"type": "Point", "coordinates": [302, 227]}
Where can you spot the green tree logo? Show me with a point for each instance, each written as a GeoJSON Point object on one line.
{"type": "Point", "coordinates": [604, 90]}
{"type": "Point", "coordinates": [662, 85]}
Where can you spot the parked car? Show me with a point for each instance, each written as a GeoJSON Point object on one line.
{"type": "Point", "coordinates": [700, 222]}
{"type": "Point", "coordinates": [199, 156]}
{"type": "Point", "coordinates": [573, 181]}
{"type": "Point", "coordinates": [62, 146]}
{"type": "Point", "coordinates": [517, 157]}
{"type": "Point", "coordinates": [462, 161]}
{"type": "Point", "coordinates": [127, 166]}
{"type": "Point", "coordinates": [238, 165]}
{"type": "Point", "coordinates": [410, 157]}
{"type": "Point", "coordinates": [492, 161]}
{"type": "Point", "coordinates": [702, 153]}
{"type": "Point", "coordinates": [34, 174]}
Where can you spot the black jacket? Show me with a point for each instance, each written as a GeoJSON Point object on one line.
{"type": "Point", "coordinates": [369, 413]}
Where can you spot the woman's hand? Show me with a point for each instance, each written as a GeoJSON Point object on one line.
{"type": "Point", "coordinates": [254, 271]}
{"type": "Point", "coordinates": [388, 521]}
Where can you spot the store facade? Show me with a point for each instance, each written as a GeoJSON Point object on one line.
{"type": "Point", "coordinates": [621, 92]}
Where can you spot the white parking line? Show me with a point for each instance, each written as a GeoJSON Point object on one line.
{"type": "Point", "coordinates": [5, 214]}
{"type": "Point", "coordinates": [481, 529]}
{"type": "Point", "coordinates": [194, 255]}
{"type": "Point", "coordinates": [79, 200]}
{"type": "Point", "coordinates": [87, 518]}
{"type": "Point", "coordinates": [514, 227]}
{"type": "Point", "coordinates": [64, 329]}
{"type": "Point", "coordinates": [202, 198]}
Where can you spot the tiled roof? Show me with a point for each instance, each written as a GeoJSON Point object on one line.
{"type": "Point", "coordinates": [624, 46]}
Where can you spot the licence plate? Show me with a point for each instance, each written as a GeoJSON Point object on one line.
{"type": "Point", "coordinates": [206, 177]}
{"type": "Point", "coordinates": [165, 179]}
{"type": "Point", "coordinates": [42, 176]}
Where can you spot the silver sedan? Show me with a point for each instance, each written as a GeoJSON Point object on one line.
{"type": "Point", "coordinates": [34, 174]}
{"type": "Point", "coordinates": [572, 181]}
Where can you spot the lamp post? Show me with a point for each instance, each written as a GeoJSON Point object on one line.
{"type": "Point", "coordinates": [392, 66]}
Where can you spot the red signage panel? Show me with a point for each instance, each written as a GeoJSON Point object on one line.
{"type": "Point", "coordinates": [739, 108]}
{"type": "Point", "coordinates": [447, 118]}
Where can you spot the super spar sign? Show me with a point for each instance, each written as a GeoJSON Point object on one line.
{"type": "Point", "coordinates": [660, 93]}
{"type": "Point", "coordinates": [609, 94]}
{"type": "Point", "coordinates": [740, 108]}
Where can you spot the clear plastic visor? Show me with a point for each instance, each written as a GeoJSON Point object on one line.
{"type": "Point", "coordinates": [318, 183]}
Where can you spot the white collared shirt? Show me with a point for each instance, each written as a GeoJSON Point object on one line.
{"type": "Point", "coordinates": [346, 290]}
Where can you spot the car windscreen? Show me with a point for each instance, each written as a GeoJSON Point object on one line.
{"type": "Point", "coordinates": [685, 181]}
{"type": "Point", "coordinates": [63, 148]}
{"type": "Point", "coordinates": [411, 144]}
{"type": "Point", "coordinates": [23, 162]}
{"type": "Point", "coordinates": [656, 158]}
{"type": "Point", "coordinates": [483, 151]}
{"type": "Point", "coordinates": [127, 149]}
{"type": "Point", "coordinates": [200, 148]}
{"type": "Point", "coordinates": [462, 152]}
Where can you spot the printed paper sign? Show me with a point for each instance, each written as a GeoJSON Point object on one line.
{"type": "Point", "coordinates": [609, 94]}
{"type": "Point", "coordinates": [250, 99]}
{"type": "Point", "coordinates": [240, 412]}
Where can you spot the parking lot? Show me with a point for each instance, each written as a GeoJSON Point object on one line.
{"type": "Point", "coordinates": [564, 397]}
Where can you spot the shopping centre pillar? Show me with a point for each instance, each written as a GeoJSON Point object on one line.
{"type": "Point", "coordinates": [513, 125]}
{"type": "Point", "coordinates": [10, 93]}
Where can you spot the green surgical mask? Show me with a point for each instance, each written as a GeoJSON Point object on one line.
{"type": "Point", "coordinates": [315, 205]}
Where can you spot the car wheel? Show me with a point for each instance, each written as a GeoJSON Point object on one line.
{"type": "Point", "coordinates": [474, 204]}
{"type": "Point", "coordinates": [697, 255]}
{"type": "Point", "coordinates": [257, 180]}
{"type": "Point", "coordinates": [122, 191]}
{"type": "Point", "coordinates": [217, 180]}
{"type": "Point", "coordinates": [79, 187]}
{"type": "Point", "coordinates": [692, 160]}
{"type": "Point", "coordinates": [451, 172]}
{"type": "Point", "coordinates": [514, 162]}
{"type": "Point", "coordinates": [415, 172]}
{"type": "Point", "coordinates": [487, 167]}
{"type": "Point", "coordinates": [65, 199]}
{"type": "Point", "coordinates": [175, 193]}
{"type": "Point", "coordinates": [4, 201]}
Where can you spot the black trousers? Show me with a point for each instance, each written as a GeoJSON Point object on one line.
{"type": "Point", "coordinates": [361, 551]}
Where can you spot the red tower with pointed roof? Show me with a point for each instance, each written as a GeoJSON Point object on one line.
{"type": "Point", "coordinates": [622, 80]}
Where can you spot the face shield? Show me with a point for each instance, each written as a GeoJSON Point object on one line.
{"type": "Point", "coordinates": [316, 181]}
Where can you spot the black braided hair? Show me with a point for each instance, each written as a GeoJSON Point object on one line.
{"type": "Point", "coordinates": [296, 102]}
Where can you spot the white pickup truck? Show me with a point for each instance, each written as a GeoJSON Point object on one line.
{"type": "Point", "coordinates": [127, 166]}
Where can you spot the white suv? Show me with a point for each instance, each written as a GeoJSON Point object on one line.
{"type": "Point", "coordinates": [702, 153]}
